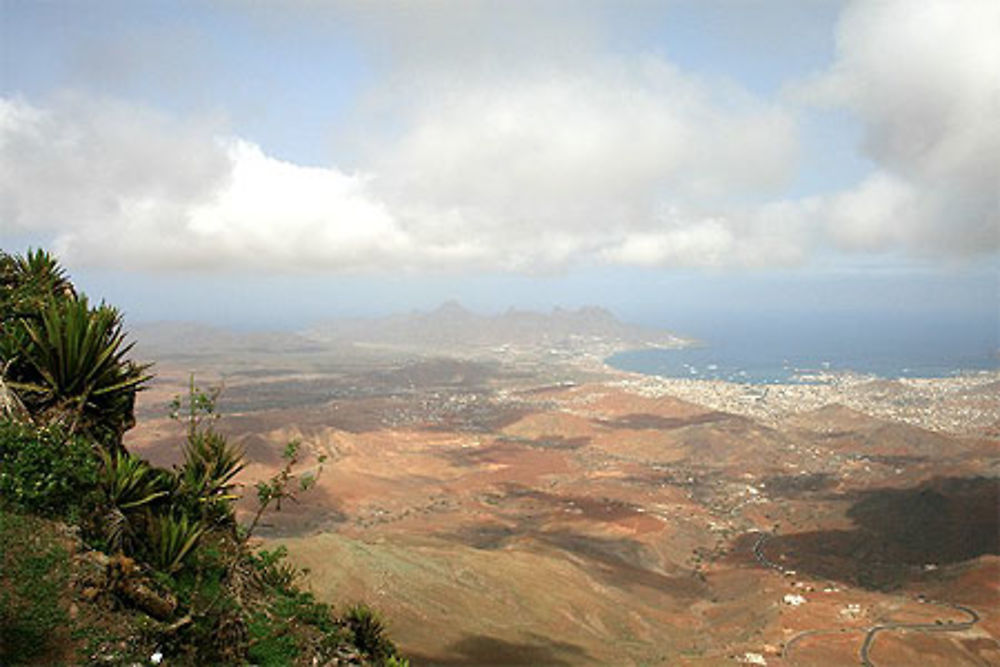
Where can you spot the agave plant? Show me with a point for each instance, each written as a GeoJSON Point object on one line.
{"type": "Point", "coordinates": [210, 465]}
{"type": "Point", "coordinates": [128, 484]}
{"type": "Point", "coordinates": [369, 632]}
{"type": "Point", "coordinates": [27, 284]}
{"type": "Point", "coordinates": [204, 484]}
{"type": "Point", "coordinates": [172, 538]}
{"type": "Point", "coordinates": [77, 371]}
{"type": "Point", "coordinates": [30, 281]}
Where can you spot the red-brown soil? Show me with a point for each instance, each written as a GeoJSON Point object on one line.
{"type": "Point", "coordinates": [589, 525]}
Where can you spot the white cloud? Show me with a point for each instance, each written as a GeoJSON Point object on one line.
{"type": "Point", "coordinates": [709, 242]}
{"type": "Point", "coordinates": [285, 214]}
{"type": "Point", "coordinates": [488, 145]}
{"type": "Point", "coordinates": [117, 185]}
{"type": "Point", "coordinates": [872, 216]}
{"type": "Point", "coordinates": [924, 79]}
{"type": "Point", "coordinates": [533, 175]}
{"type": "Point", "coordinates": [83, 163]}
{"type": "Point", "coordinates": [560, 164]}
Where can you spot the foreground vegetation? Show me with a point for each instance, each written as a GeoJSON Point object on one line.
{"type": "Point", "coordinates": [106, 559]}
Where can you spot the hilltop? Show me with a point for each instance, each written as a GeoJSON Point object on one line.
{"type": "Point", "coordinates": [107, 558]}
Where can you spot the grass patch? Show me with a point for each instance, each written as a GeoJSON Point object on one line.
{"type": "Point", "coordinates": [35, 577]}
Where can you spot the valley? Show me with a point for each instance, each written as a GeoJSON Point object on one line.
{"type": "Point", "coordinates": [502, 504]}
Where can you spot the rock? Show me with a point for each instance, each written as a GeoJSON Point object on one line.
{"type": "Point", "coordinates": [160, 606]}
{"type": "Point", "coordinates": [97, 559]}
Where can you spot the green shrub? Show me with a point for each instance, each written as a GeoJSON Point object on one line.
{"type": "Point", "coordinates": [283, 485]}
{"type": "Point", "coordinates": [204, 484]}
{"type": "Point", "coordinates": [273, 632]}
{"type": "Point", "coordinates": [44, 470]}
{"type": "Point", "coordinates": [35, 575]}
{"type": "Point", "coordinates": [271, 642]}
{"type": "Point", "coordinates": [303, 607]}
{"type": "Point", "coordinates": [272, 569]}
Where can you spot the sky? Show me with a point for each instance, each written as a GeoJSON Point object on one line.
{"type": "Point", "coordinates": [266, 164]}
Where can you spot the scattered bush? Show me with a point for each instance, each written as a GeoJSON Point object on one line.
{"type": "Point", "coordinates": [292, 625]}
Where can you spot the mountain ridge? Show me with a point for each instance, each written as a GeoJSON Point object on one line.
{"type": "Point", "coordinates": [453, 324]}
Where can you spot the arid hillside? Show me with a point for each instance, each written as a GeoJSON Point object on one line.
{"type": "Point", "coordinates": [502, 514]}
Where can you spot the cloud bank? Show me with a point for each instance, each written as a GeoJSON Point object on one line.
{"type": "Point", "coordinates": [534, 175]}
{"type": "Point", "coordinates": [577, 155]}
{"type": "Point", "coordinates": [924, 79]}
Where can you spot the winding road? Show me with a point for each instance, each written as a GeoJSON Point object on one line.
{"type": "Point", "coordinates": [758, 553]}
{"type": "Point", "coordinates": [946, 626]}
{"type": "Point", "coordinates": [872, 631]}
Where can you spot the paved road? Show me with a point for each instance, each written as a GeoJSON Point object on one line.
{"type": "Point", "coordinates": [871, 632]}
{"type": "Point", "coordinates": [947, 626]}
{"type": "Point", "coordinates": [758, 553]}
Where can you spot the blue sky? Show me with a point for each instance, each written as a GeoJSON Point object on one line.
{"type": "Point", "coordinates": [270, 163]}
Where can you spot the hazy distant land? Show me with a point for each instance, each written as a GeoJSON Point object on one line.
{"type": "Point", "coordinates": [505, 497]}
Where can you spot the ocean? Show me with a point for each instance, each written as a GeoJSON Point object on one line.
{"type": "Point", "coordinates": [771, 349]}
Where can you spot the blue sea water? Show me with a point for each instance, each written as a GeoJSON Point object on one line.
{"type": "Point", "coordinates": [769, 349]}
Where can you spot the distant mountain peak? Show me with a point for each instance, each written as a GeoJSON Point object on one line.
{"type": "Point", "coordinates": [451, 307]}
{"type": "Point", "coordinates": [450, 311]}
{"type": "Point", "coordinates": [595, 313]}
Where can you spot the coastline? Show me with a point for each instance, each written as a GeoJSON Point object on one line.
{"type": "Point", "coordinates": [964, 404]}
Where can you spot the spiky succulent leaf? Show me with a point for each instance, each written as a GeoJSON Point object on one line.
{"type": "Point", "coordinates": [77, 371]}
{"type": "Point", "coordinates": [173, 538]}
{"type": "Point", "coordinates": [129, 482]}
{"type": "Point", "coordinates": [211, 464]}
